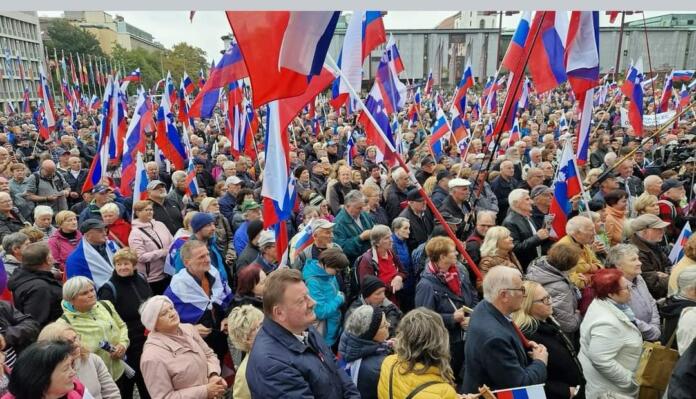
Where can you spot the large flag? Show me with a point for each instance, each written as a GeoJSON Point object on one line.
{"type": "Point", "coordinates": [168, 137]}
{"type": "Point", "coordinates": [87, 261]}
{"type": "Point", "coordinates": [566, 186]}
{"type": "Point", "coordinates": [583, 134]}
{"type": "Point", "coordinates": [293, 43]}
{"type": "Point", "coordinates": [682, 75]}
{"type": "Point", "coordinates": [441, 130]}
{"type": "Point", "coordinates": [683, 98]}
{"type": "Point", "coordinates": [666, 95]}
{"type": "Point", "coordinates": [134, 142]}
{"type": "Point", "coordinates": [582, 52]}
{"type": "Point", "coordinates": [678, 250]}
{"type": "Point", "coordinates": [546, 59]}
{"type": "Point", "coordinates": [229, 69]}
{"type": "Point", "coordinates": [393, 90]}
{"type": "Point", "coordinates": [519, 38]}
{"type": "Point", "coordinates": [98, 168]}
{"type": "Point", "coordinates": [45, 95]}
{"type": "Point", "coordinates": [465, 84]}
{"type": "Point", "coordinates": [375, 104]}
{"type": "Point", "coordinates": [635, 106]}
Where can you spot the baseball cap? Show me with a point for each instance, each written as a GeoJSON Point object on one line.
{"type": "Point", "coordinates": [91, 224]}
{"type": "Point", "coordinates": [321, 223]}
{"type": "Point", "coordinates": [414, 195]}
{"type": "Point", "coordinates": [154, 184]}
{"type": "Point", "coordinates": [249, 205]}
{"type": "Point", "coordinates": [539, 190]}
{"type": "Point", "coordinates": [648, 221]}
{"type": "Point", "coordinates": [266, 237]}
{"type": "Point", "coordinates": [100, 188]}
{"type": "Point", "coordinates": [233, 180]}
{"type": "Point", "coordinates": [459, 182]}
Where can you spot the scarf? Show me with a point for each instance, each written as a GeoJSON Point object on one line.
{"type": "Point", "coordinates": [625, 309]}
{"type": "Point", "coordinates": [450, 278]}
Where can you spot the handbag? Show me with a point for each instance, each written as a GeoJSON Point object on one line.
{"type": "Point", "coordinates": [656, 364]}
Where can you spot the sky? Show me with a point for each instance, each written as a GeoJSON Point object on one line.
{"type": "Point", "coordinates": [171, 27]}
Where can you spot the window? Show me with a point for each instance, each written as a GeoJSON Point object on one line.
{"type": "Point", "coordinates": [690, 22]}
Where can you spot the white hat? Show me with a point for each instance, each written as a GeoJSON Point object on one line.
{"type": "Point", "coordinates": [266, 237]}
{"type": "Point", "coordinates": [233, 180]}
{"type": "Point", "coordinates": [458, 182]}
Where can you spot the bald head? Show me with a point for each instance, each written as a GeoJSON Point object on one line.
{"type": "Point", "coordinates": [653, 184]}
{"type": "Point", "coordinates": [48, 167]}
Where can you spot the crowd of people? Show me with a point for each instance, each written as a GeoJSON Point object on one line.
{"type": "Point", "coordinates": [182, 296]}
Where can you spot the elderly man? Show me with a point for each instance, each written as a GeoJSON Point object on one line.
{"type": "Point", "coordinates": [649, 231]}
{"type": "Point", "coordinates": [153, 173]}
{"type": "Point", "coordinates": [396, 192]}
{"type": "Point", "coordinates": [597, 157]}
{"type": "Point", "coordinates": [457, 204]}
{"type": "Point", "coordinates": [18, 186]}
{"type": "Point", "coordinates": [93, 257]}
{"type": "Point", "coordinates": [101, 195]}
{"type": "Point", "coordinates": [352, 226]}
{"type": "Point", "coordinates": [607, 183]}
{"type": "Point", "coordinates": [502, 186]}
{"type": "Point", "coordinates": [75, 176]}
{"type": "Point", "coordinates": [530, 242]}
{"type": "Point", "coordinates": [653, 185]}
{"type": "Point", "coordinates": [322, 232]}
{"type": "Point", "coordinates": [267, 258]}
{"type": "Point", "coordinates": [441, 190]}
{"type": "Point", "coordinates": [35, 289]}
{"type": "Point", "coordinates": [535, 177]}
{"type": "Point", "coordinates": [290, 357]}
{"type": "Point", "coordinates": [337, 192]}
{"type": "Point", "coordinates": [11, 220]}
{"type": "Point", "coordinates": [251, 211]}
{"type": "Point", "coordinates": [48, 187]}
{"type": "Point", "coordinates": [165, 210]}
{"type": "Point", "coordinates": [420, 218]}
{"type": "Point", "coordinates": [671, 211]}
{"type": "Point", "coordinates": [495, 352]}
{"type": "Point", "coordinates": [541, 197]}
{"type": "Point", "coordinates": [228, 201]}
{"type": "Point", "coordinates": [534, 161]}
{"type": "Point", "coordinates": [580, 233]}
{"type": "Point", "coordinates": [484, 221]}
{"type": "Point", "coordinates": [201, 296]}
{"type": "Point", "coordinates": [426, 169]}
{"type": "Point", "coordinates": [177, 193]}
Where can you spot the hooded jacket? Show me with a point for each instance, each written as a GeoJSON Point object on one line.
{"type": "Point", "coordinates": [323, 288]}
{"type": "Point", "coordinates": [364, 358]}
{"type": "Point", "coordinates": [36, 293]}
{"type": "Point", "coordinates": [564, 295]}
{"type": "Point", "coordinates": [671, 311]}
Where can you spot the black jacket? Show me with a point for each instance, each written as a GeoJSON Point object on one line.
{"type": "Point", "coordinates": [393, 198]}
{"type": "Point", "coordinates": [421, 227]}
{"type": "Point", "coordinates": [670, 312]}
{"type": "Point", "coordinates": [502, 188]}
{"type": "Point", "coordinates": [37, 294]}
{"type": "Point", "coordinates": [473, 246]}
{"type": "Point", "coordinates": [683, 381]}
{"type": "Point", "coordinates": [169, 214]}
{"type": "Point", "coordinates": [371, 355]}
{"type": "Point", "coordinates": [526, 242]}
{"type": "Point", "coordinates": [563, 369]}
{"type": "Point", "coordinates": [11, 225]}
{"type": "Point", "coordinates": [451, 207]}
{"type": "Point", "coordinates": [18, 329]}
{"type": "Point", "coordinates": [76, 183]}
{"type": "Point", "coordinates": [438, 196]}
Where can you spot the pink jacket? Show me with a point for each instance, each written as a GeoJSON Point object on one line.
{"type": "Point", "coordinates": [151, 242]}
{"type": "Point", "coordinates": [77, 392]}
{"type": "Point", "coordinates": [61, 247]}
{"type": "Point", "coordinates": [177, 367]}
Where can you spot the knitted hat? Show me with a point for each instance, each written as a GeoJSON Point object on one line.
{"type": "Point", "coordinates": [200, 220]}
{"type": "Point", "coordinates": [150, 310]}
{"type": "Point", "coordinates": [376, 321]}
{"type": "Point", "coordinates": [369, 285]}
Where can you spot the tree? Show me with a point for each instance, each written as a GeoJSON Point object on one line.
{"type": "Point", "coordinates": [64, 36]}
{"type": "Point", "coordinates": [148, 62]}
{"type": "Point", "coordinates": [183, 57]}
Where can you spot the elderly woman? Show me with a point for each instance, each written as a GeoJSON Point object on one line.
{"type": "Point", "coordinates": [551, 271]}
{"type": "Point", "coordinates": [688, 261]}
{"type": "Point", "coordinates": [564, 372]}
{"type": "Point", "coordinates": [45, 371]}
{"type": "Point", "coordinates": [102, 330]}
{"type": "Point", "coordinates": [150, 239]}
{"type": "Point", "coordinates": [592, 176]}
{"type": "Point", "coordinates": [250, 287]}
{"type": "Point", "coordinates": [223, 230]}
{"type": "Point", "coordinates": [13, 244]}
{"type": "Point", "coordinates": [402, 229]}
{"type": "Point", "coordinates": [127, 290]}
{"type": "Point", "coordinates": [242, 325]}
{"type": "Point", "coordinates": [176, 362]}
{"type": "Point", "coordinates": [43, 216]}
{"type": "Point", "coordinates": [646, 203]}
{"type": "Point", "coordinates": [610, 341]}
{"type": "Point", "coordinates": [422, 360]}
{"type": "Point", "coordinates": [617, 203]}
{"type": "Point", "coordinates": [363, 347]}
{"type": "Point", "coordinates": [377, 212]}
{"type": "Point", "coordinates": [117, 229]}
{"type": "Point", "coordinates": [381, 261]}
{"type": "Point", "coordinates": [625, 258]}
{"type": "Point", "coordinates": [443, 289]}
{"type": "Point", "coordinates": [90, 368]}
{"type": "Point", "coordinates": [65, 238]}
{"type": "Point", "coordinates": [496, 250]}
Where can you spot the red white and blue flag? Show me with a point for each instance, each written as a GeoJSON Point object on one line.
{"type": "Point", "coordinates": [566, 186]}
{"type": "Point", "coordinates": [514, 133]}
{"type": "Point", "coordinates": [229, 69]}
{"type": "Point", "coordinates": [375, 104]}
{"type": "Point", "coordinates": [94, 103]}
{"type": "Point", "coordinates": [441, 130]}
{"type": "Point", "coordinates": [26, 103]}
{"type": "Point", "coordinates": [97, 169]}
{"type": "Point", "coordinates": [583, 134]}
{"type": "Point", "coordinates": [394, 56]}
{"type": "Point", "coordinates": [134, 142]}
{"type": "Point", "coordinates": [187, 83]}
{"type": "Point", "coordinates": [133, 76]}
{"type": "Point", "coordinates": [429, 84]}
{"type": "Point", "coordinates": [44, 93]}
{"type": "Point", "coordinates": [201, 79]}
{"type": "Point", "coordinates": [678, 250]}
{"type": "Point", "coordinates": [683, 97]}
{"type": "Point", "coordinates": [305, 238]}
{"type": "Point", "coordinates": [466, 82]}
{"type": "Point", "coordinates": [529, 392]}
{"type": "Point", "coordinates": [682, 75]}
{"type": "Point", "coordinates": [582, 52]}
{"type": "Point", "coordinates": [666, 95]}
{"type": "Point", "coordinates": [168, 138]}
{"type": "Point", "coordinates": [392, 89]}
{"type": "Point", "coordinates": [634, 90]}
{"type": "Point", "coordinates": [141, 180]}
{"type": "Point", "coordinates": [513, 55]}
{"type": "Point", "coordinates": [547, 54]}
{"type": "Point", "coordinates": [294, 46]}
{"type": "Point", "coordinates": [460, 128]}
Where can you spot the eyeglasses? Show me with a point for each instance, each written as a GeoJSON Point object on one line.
{"type": "Point", "coordinates": [545, 300]}
{"type": "Point", "coordinates": [522, 289]}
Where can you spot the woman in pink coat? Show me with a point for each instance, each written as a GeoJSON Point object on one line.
{"type": "Point", "coordinates": [150, 239]}
{"type": "Point", "coordinates": [65, 238]}
{"type": "Point", "coordinates": [176, 362]}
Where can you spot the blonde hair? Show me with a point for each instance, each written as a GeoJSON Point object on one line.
{"type": "Point", "coordinates": [34, 234]}
{"type": "Point", "coordinates": [643, 202]}
{"type": "Point", "coordinates": [239, 324]}
{"type": "Point", "coordinates": [138, 206]}
{"type": "Point", "coordinates": [54, 332]}
{"type": "Point", "coordinates": [522, 317]}
{"type": "Point", "coordinates": [490, 243]}
{"type": "Point", "coordinates": [110, 208]}
{"type": "Point", "coordinates": [429, 184]}
{"type": "Point", "coordinates": [126, 254]}
{"type": "Point", "coordinates": [187, 219]}
{"type": "Point", "coordinates": [592, 176]}
{"type": "Point", "coordinates": [422, 342]}
{"type": "Point", "coordinates": [206, 202]}
{"type": "Point", "coordinates": [62, 216]}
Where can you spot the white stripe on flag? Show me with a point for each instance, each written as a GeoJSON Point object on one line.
{"type": "Point", "coordinates": [302, 35]}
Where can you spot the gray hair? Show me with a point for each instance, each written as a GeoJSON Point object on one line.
{"type": "Point", "coordinates": [74, 285]}
{"type": "Point", "coordinates": [498, 279]}
{"type": "Point", "coordinates": [534, 151]}
{"type": "Point", "coordinates": [516, 195]}
{"type": "Point", "coordinates": [359, 321]}
{"type": "Point", "coordinates": [399, 222]}
{"type": "Point", "coordinates": [228, 165]}
{"type": "Point", "coordinates": [14, 240]}
{"type": "Point", "coordinates": [41, 210]}
{"type": "Point", "coordinates": [353, 196]}
{"type": "Point", "coordinates": [109, 208]}
{"type": "Point", "coordinates": [576, 223]}
{"type": "Point", "coordinates": [490, 242]}
{"type": "Point", "coordinates": [651, 180]}
{"type": "Point", "coordinates": [378, 232]}
{"type": "Point", "coordinates": [686, 281]}
{"type": "Point", "coordinates": [178, 176]}
{"type": "Point", "coordinates": [398, 173]}
{"type": "Point", "coordinates": [619, 252]}
{"type": "Point", "coordinates": [484, 213]}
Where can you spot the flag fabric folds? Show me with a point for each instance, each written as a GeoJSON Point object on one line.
{"type": "Point", "coordinates": [678, 250]}
{"type": "Point", "coordinates": [134, 142]}
{"type": "Point", "coordinates": [583, 133]}
{"type": "Point", "coordinates": [189, 299]}
{"type": "Point", "coordinates": [229, 69]}
{"type": "Point", "coordinates": [168, 137]}
{"type": "Point", "coordinates": [519, 38]}
{"type": "Point", "coordinates": [566, 186]}
{"type": "Point", "coordinates": [682, 75]}
{"type": "Point", "coordinates": [465, 84]}
{"type": "Point", "coordinates": [547, 54]}
{"type": "Point", "coordinates": [666, 95]}
{"type": "Point", "coordinates": [97, 169]}
{"type": "Point", "coordinates": [582, 52]}
{"type": "Point", "coordinates": [530, 392]}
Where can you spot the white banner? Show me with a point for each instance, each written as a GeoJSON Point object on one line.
{"type": "Point", "coordinates": [648, 120]}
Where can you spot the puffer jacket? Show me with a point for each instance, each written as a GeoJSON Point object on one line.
{"type": "Point", "coordinates": [564, 295]}
{"type": "Point", "coordinates": [61, 247]}
{"type": "Point", "coordinates": [323, 288]}
{"type": "Point", "coordinates": [151, 241]}
{"type": "Point", "coordinates": [364, 359]}
{"type": "Point", "coordinates": [403, 384]}
{"type": "Point", "coordinates": [587, 265]}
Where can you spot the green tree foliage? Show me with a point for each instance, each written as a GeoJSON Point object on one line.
{"type": "Point", "coordinates": [64, 36]}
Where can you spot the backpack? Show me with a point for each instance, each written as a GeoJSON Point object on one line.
{"type": "Point", "coordinates": [353, 285]}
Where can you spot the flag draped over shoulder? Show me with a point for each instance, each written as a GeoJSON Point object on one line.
{"type": "Point", "coordinates": [189, 299]}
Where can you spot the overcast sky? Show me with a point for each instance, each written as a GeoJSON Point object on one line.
{"type": "Point", "coordinates": [171, 27]}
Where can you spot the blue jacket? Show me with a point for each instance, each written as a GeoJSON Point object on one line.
{"type": "Point", "coordinates": [323, 288]}
{"type": "Point", "coordinates": [227, 204]}
{"type": "Point", "coordinates": [364, 358]}
{"type": "Point", "coordinates": [494, 355]}
{"type": "Point", "coordinates": [404, 255]}
{"type": "Point", "coordinates": [241, 237]}
{"type": "Point", "coordinates": [280, 366]}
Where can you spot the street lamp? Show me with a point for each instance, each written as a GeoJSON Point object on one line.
{"type": "Point", "coordinates": [227, 41]}
{"type": "Point", "coordinates": [500, 27]}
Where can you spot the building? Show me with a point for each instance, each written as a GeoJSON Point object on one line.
{"type": "Point", "coordinates": [666, 21]}
{"type": "Point", "coordinates": [110, 30]}
{"type": "Point", "coordinates": [474, 20]}
{"type": "Point", "coordinates": [20, 41]}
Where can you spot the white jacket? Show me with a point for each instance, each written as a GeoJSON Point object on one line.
{"type": "Point", "coordinates": [686, 329]}
{"type": "Point", "coordinates": [610, 348]}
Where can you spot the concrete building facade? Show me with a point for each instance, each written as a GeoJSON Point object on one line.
{"type": "Point", "coordinates": [20, 43]}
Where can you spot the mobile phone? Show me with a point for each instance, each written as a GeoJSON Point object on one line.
{"type": "Point", "coordinates": [548, 220]}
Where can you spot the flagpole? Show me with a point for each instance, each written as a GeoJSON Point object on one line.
{"type": "Point", "coordinates": [433, 209]}
{"type": "Point", "coordinates": [652, 83]}
{"type": "Point", "coordinates": [58, 77]}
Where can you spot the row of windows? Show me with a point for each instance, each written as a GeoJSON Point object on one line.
{"type": "Point", "coordinates": [14, 27]}
{"type": "Point", "coordinates": [13, 89]}
{"type": "Point", "coordinates": [14, 48]}
{"type": "Point", "coordinates": [10, 68]}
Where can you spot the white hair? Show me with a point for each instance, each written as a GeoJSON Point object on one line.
{"type": "Point", "coordinates": [498, 279]}
{"type": "Point", "coordinates": [359, 321]}
{"type": "Point", "coordinates": [686, 281]}
{"type": "Point", "coordinates": [490, 242]}
{"type": "Point", "coordinates": [74, 285]}
{"type": "Point", "coordinates": [576, 223]}
{"type": "Point", "coordinates": [42, 210]}
{"type": "Point", "coordinates": [516, 195]}
{"type": "Point", "coordinates": [652, 179]}
{"type": "Point", "coordinates": [398, 173]}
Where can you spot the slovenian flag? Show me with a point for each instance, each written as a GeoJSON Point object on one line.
{"type": "Point", "coordinates": [678, 250]}
{"type": "Point", "coordinates": [465, 84]}
{"type": "Point", "coordinates": [190, 301]}
{"type": "Point", "coordinates": [566, 186]}
{"type": "Point", "coordinates": [583, 133]}
{"type": "Point", "coordinates": [519, 38]}
{"type": "Point", "coordinates": [666, 95]}
{"type": "Point", "coordinates": [529, 392]}
{"type": "Point", "coordinates": [305, 238]}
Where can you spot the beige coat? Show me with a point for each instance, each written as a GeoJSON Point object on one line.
{"type": "Point", "coordinates": [178, 366]}
{"type": "Point", "coordinates": [684, 263]}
